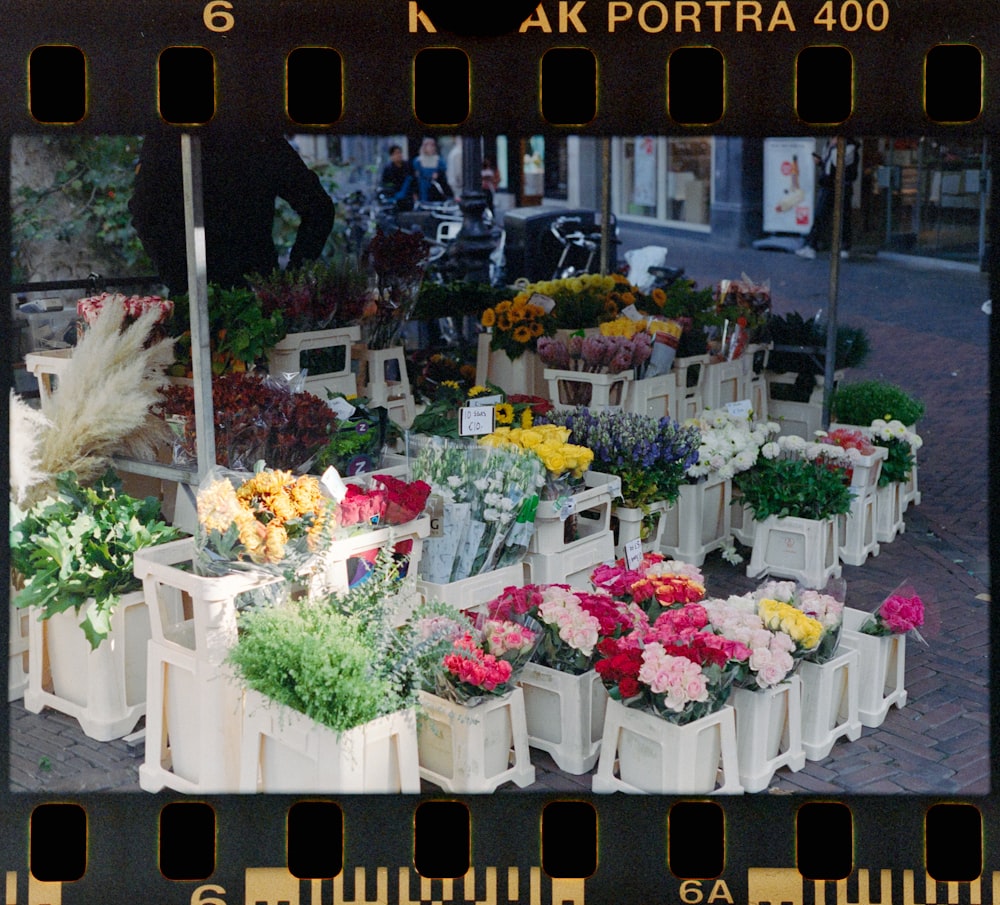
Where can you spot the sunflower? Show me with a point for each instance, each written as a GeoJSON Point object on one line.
{"type": "Point", "coordinates": [503, 320]}
{"type": "Point", "coordinates": [489, 318]}
{"type": "Point", "coordinates": [522, 333]}
{"type": "Point", "coordinates": [504, 413]}
{"type": "Point", "coordinates": [659, 297]}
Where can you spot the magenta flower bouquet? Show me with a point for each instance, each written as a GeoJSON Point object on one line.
{"type": "Point", "coordinates": [901, 612]}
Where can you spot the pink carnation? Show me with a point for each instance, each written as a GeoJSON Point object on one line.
{"type": "Point", "coordinates": [902, 614]}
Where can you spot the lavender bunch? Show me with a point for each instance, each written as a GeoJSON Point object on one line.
{"type": "Point", "coordinates": [649, 455]}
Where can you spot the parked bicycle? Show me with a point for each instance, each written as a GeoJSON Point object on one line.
{"type": "Point", "coordinates": [581, 244]}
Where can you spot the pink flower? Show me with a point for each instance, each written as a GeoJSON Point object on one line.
{"type": "Point", "coordinates": [902, 614]}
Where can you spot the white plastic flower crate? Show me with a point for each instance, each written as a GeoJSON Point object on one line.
{"type": "Point", "coordinates": [104, 689]}
{"type": "Point", "coordinates": [741, 521]}
{"type": "Point", "coordinates": [18, 642]}
{"type": "Point", "coordinates": [194, 721]}
{"type": "Point", "coordinates": [799, 548]}
{"type": "Point", "coordinates": [691, 375]}
{"type": "Point", "coordinates": [642, 753]}
{"type": "Point", "coordinates": [856, 537]}
{"type": "Point", "coordinates": [889, 512]}
{"type": "Point", "coordinates": [394, 393]}
{"type": "Point", "coordinates": [286, 357]}
{"type": "Point", "coordinates": [474, 749]}
{"type": "Point", "coordinates": [626, 523]}
{"type": "Point", "coordinates": [525, 374]}
{"type": "Point", "coordinates": [801, 419]}
{"type": "Point", "coordinates": [883, 668]}
{"type": "Point", "coordinates": [768, 732]}
{"type": "Point", "coordinates": [574, 565]}
{"type": "Point", "coordinates": [699, 521]}
{"type": "Point", "coordinates": [830, 702]}
{"type": "Point", "coordinates": [727, 381]}
{"type": "Point", "coordinates": [285, 751]}
{"type": "Point", "coordinates": [334, 574]}
{"type": "Point", "coordinates": [588, 509]}
{"type": "Point", "coordinates": [607, 391]}
{"type": "Point", "coordinates": [47, 368]}
{"type": "Point", "coordinates": [565, 715]}
{"type": "Point", "coordinates": [474, 590]}
{"type": "Point", "coordinates": [911, 487]}
{"type": "Point", "coordinates": [655, 397]}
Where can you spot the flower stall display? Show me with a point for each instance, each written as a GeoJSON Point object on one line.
{"type": "Point", "coordinates": [484, 497]}
{"type": "Point", "coordinates": [592, 371]}
{"type": "Point", "coordinates": [241, 333]}
{"type": "Point", "coordinates": [796, 491]}
{"type": "Point", "coordinates": [655, 584]}
{"type": "Point", "coordinates": [332, 687]}
{"type": "Point", "coordinates": [767, 696]}
{"type": "Point", "coordinates": [649, 456]}
{"type": "Point", "coordinates": [73, 555]}
{"type": "Point", "coordinates": [507, 350]}
{"type": "Point", "coordinates": [473, 723]}
{"type": "Point", "coordinates": [880, 639]}
{"type": "Point", "coordinates": [320, 304]}
{"type": "Point", "coordinates": [701, 520]}
{"type": "Point", "coordinates": [565, 700]}
{"type": "Point", "coordinates": [668, 728]}
{"type": "Point", "coordinates": [440, 416]}
{"type": "Point", "coordinates": [858, 536]}
{"type": "Point", "coordinates": [256, 418]}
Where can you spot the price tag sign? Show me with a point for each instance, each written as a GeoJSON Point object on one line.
{"type": "Point", "coordinates": [741, 409]}
{"type": "Point", "coordinates": [495, 399]}
{"type": "Point", "coordinates": [341, 408]}
{"type": "Point", "coordinates": [434, 508]}
{"type": "Point", "coordinates": [543, 301]}
{"type": "Point", "coordinates": [633, 554]}
{"type": "Point", "coordinates": [566, 507]}
{"type": "Point", "coordinates": [633, 313]}
{"type": "Point", "coordinates": [476, 420]}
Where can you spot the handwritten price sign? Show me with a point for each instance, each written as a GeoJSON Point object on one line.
{"type": "Point", "coordinates": [476, 420]}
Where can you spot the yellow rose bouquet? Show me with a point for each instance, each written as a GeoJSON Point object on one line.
{"type": "Point", "coordinates": [564, 461]}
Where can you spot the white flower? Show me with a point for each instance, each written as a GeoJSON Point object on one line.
{"type": "Point", "coordinates": [770, 450]}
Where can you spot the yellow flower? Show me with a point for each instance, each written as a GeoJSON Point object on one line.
{"type": "Point", "coordinates": [477, 390]}
{"type": "Point", "coordinates": [504, 413]}
{"type": "Point", "coordinates": [489, 318]}
{"type": "Point", "coordinates": [659, 297]}
{"type": "Point", "coordinates": [522, 333]}
{"type": "Point", "coordinates": [527, 419]}
{"type": "Point", "coordinates": [504, 307]}
{"type": "Point", "coordinates": [451, 384]}
{"type": "Point", "coordinates": [503, 320]}
{"type": "Point", "coordinates": [536, 329]}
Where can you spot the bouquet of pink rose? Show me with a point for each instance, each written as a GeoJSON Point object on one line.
{"type": "Point", "coordinates": [901, 612]}
{"type": "Point", "coordinates": [656, 583]}
{"type": "Point", "coordinates": [771, 650]}
{"type": "Point", "coordinates": [677, 668]}
{"type": "Point", "coordinates": [572, 621]}
{"type": "Point", "coordinates": [484, 660]}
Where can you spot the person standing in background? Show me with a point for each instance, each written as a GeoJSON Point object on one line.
{"type": "Point", "coordinates": [432, 176]}
{"type": "Point", "coordinates": [398, 180]}
{"type": "Point", "coordinates": [823, 220]}
{"type": "Point", "coordinates": [242, 176]}
{"type": "Point", "coordinates": [455, 179]}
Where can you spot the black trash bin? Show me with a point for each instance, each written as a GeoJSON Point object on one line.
{"type": "Point", "coordinates": [532, 251]}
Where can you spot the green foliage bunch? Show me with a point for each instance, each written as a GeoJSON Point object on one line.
{"type": "Point", "coordinates": [800, 488]}
{"type": "Point", "coordinates": [869, 400]}
{"type": "Point", "coordinates": [78, 545]}
{"type": "Point", "coordinates": [852, 346]}
{"type": "Point", "coordinates": [342, 660]}
{"type": "Point", "coordinates": [456, 299]}
{"type": "Point", "coordinates": [241, 331]}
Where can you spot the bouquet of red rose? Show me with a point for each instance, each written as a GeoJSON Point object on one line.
{"type": "Point", "coordinates": [404, 500]}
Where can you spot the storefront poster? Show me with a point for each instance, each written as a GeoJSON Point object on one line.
{"type": "Point", "coordinates": [789, 180]}
{"type": "Point", "coordinates": [644, 179]}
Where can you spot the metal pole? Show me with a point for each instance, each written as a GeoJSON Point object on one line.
{"type": "Point", "coordinates": [831, 324]}
{"type": "Point", "coordinates": [605, 205]}
{"type": "Point", "coordinates": [201, 353]}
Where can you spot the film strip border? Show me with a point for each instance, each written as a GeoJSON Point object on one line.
{"type": "Point", "coordinates": [725, 67]}
{"type": "Point", "coordinates": [511, 849]}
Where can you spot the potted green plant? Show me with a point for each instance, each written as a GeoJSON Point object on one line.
{"type": "Point", "coordinates": [73, 551]}
{"type": "Point", "coordinates": [887, 414]}
{"type": "Point", "coordinates": [796, 491]}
